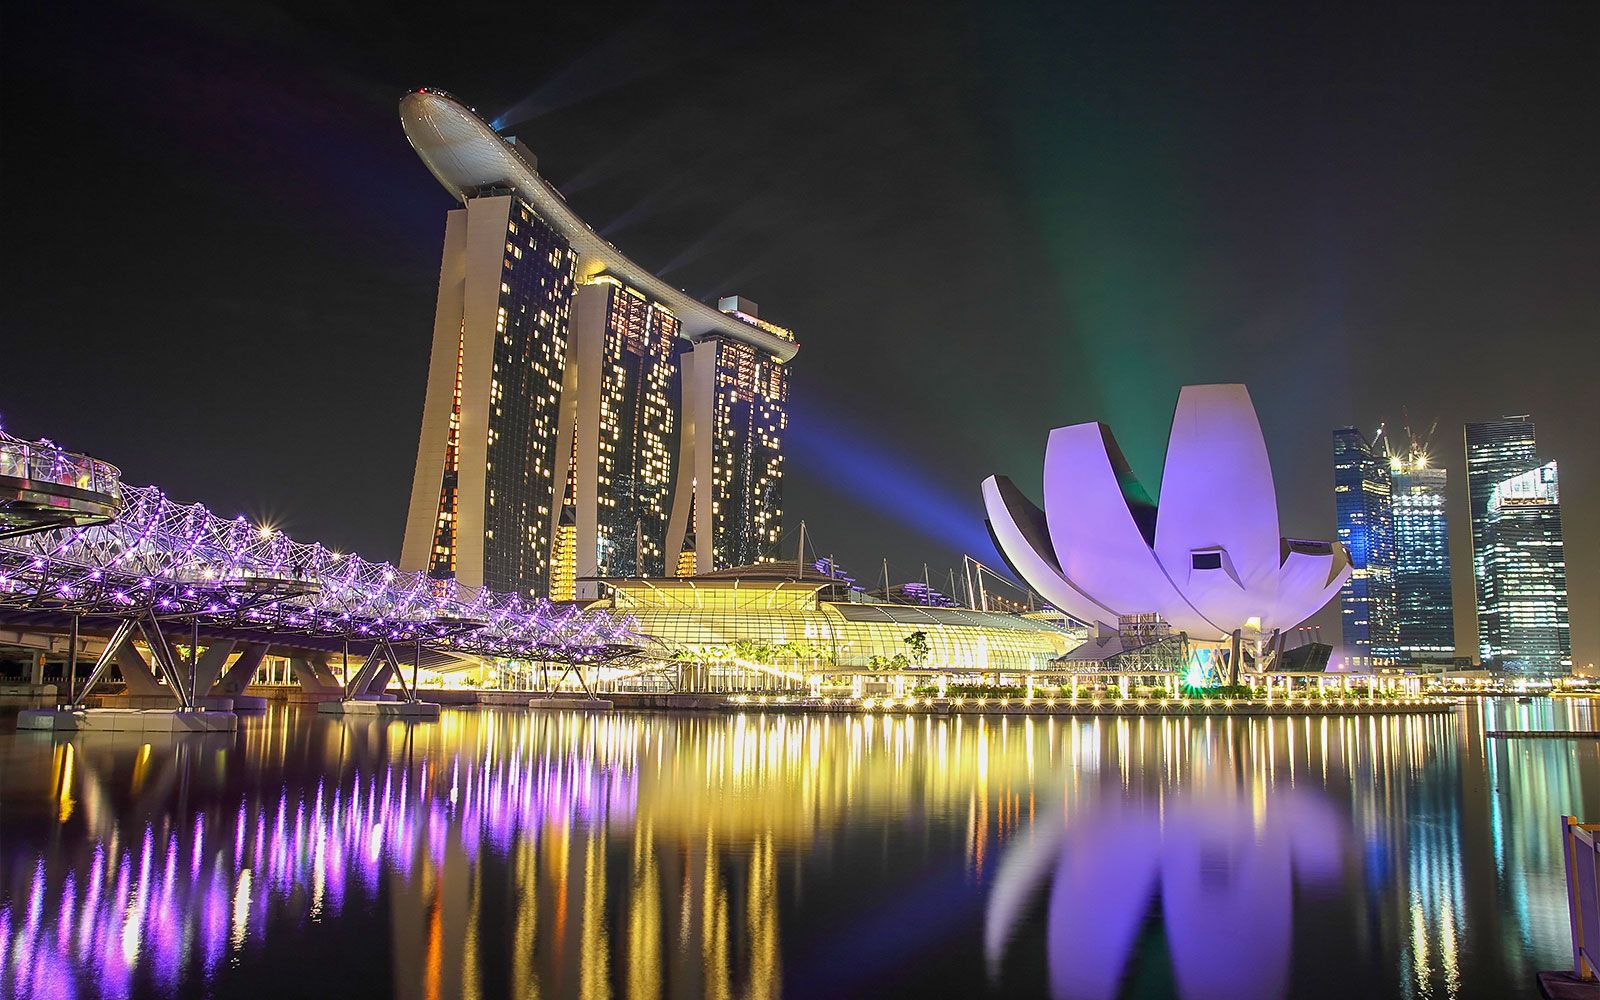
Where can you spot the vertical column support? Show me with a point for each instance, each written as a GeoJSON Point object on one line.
{"type": "Point", "coordinates": [72, 661]}
{"type": "Point", "coordinates": [194, 656]}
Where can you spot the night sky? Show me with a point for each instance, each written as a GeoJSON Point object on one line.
{"type": "Point", "coordinates": [220, 254]}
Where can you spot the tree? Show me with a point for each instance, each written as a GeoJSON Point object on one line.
{"type": "Point", "coordinates": [917, 647]}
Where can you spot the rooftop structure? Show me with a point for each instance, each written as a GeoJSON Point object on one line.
{"type": "Point", "coordinates": [470, 158]}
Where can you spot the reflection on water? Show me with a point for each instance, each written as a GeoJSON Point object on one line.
{"type": "Point", "coordinates": [1221, 865]}
{"type": "Point", "coordinates": [548, 855]}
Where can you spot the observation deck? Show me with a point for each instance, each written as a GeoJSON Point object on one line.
{"type": "Point", "coordinates": [43, 487]}
{"type": "Point", "coordinates": [469, 157]}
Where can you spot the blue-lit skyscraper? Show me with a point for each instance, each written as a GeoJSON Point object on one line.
{"type": "Point", "coordinates": [1424, 609]}
{"type": "Point", "coordinates": [1362, 492]}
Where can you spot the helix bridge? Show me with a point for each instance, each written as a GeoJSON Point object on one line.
{"type": "Point", "coordinates": [80, 549]}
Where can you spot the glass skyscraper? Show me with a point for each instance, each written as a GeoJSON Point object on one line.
{"type": "Point", "coordinates": [1525, 625]}
{"type": "Point", "coordinates": [1496, 451]}
{"type": "Point", "coordinates": [1518, 563]}
{"type": "Point", "coordinates": [1424, 606]}
{"type": "Point", "coordinates": [1362, 498]}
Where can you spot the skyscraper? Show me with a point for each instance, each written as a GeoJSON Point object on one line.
{"type": "Point", "coordinates": [557, 420]}
{"type": "Point", "coordinates": [1424, 607]}
{"type": "Point", "coordinates": [1496, 451]}
{"type": "Point", "coordinates": [619, 435]}
{"type": "Point", "coordinates": [484, 488]}
{"type": "Point", "coordinates": [1362, 495]}
{"type": "Point", "coordinates": [1524, 624]}
{"type": "Point", "coordinates": [728, 506]}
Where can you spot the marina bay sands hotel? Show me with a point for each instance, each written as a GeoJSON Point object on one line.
{"type": "Point", "coordinates": [583, 418]}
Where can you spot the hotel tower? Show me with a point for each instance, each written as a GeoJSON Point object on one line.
{"type": "Point", "coordinates": [583, 419]}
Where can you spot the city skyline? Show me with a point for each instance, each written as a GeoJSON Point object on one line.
{"type": "Point", "coordinates": [313, 277]}
{"type": "Point", "coordinates": [1398, 606]}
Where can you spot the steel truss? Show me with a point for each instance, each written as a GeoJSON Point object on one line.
{"type": "Point", "coordinates": [162, 563]}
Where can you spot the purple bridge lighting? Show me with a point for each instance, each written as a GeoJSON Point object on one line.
{"type": "Point", "coordinates": [134, 561]}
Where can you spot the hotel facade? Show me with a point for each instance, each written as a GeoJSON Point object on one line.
{"type": "Point", "coordinates": [583, 419]}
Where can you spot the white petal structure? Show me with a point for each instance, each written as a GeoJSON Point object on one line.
{"type": "Point", "coordinates": [1209, 559]}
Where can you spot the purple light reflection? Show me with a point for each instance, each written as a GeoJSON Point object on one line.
{"type": "Point", "coordinates": [138, 918]}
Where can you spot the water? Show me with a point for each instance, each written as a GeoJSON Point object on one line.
{"type": "Point", "coordinates": [640, 855]}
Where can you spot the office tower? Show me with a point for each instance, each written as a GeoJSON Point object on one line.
{"type": "Point", "coordinates": [734, 418]}
{"type": "Point", "coordinates": [1424, 615]}
{"type": "Point", "coordinates": [1362, 496]}
{"type": "Point", "coordinates": [484, 488]}
{"type": "Point", "coordinates": [1496, 451]}
{"type": "Point", "coordinates": [556, 410]}
{"type": "Point", "coordinates": [1524, 623]}
{"type": "Point", "coordinates": [618, 432]}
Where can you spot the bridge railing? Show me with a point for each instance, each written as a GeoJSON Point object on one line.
{"type": "Point", "coordinates": [1578, 845]}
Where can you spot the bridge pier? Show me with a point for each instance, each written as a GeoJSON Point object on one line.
{"type": "Point", "coordinates": [136, 712]}
{"type": "Point", "coordinates": [127, 720]}
{"type": "Point", "coordinates": [366, 691]}
{"type": "Point", "coordinates": [237, 677]}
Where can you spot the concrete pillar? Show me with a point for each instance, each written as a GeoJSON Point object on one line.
{"type": "Point", "coordinates": [239, 676]}
{"type": "Point", "coordinates": [208, 667]}
{"type": "Point", "coordinates": [313, 673]}
{"type": "Point", "coordinates": [136, 673]}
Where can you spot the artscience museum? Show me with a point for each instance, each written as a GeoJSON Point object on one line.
{"type": "Point", "coordinates": [1208, 560]}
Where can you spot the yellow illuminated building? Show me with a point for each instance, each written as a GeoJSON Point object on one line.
{"type": "Point", "coordinates": [801, 624]}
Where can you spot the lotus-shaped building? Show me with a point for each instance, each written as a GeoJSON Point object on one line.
{"type": "Point", "coordinates": [1209, 559]}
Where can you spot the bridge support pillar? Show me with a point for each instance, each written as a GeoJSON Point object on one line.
{"type": "Point", "coordinates": [237, 677]}
{"type": "Point", "coordinates": [208, 666]}
{"type": "Point", "coordinates": [136, 673]}
{"type": "Point", "coordinates": [314, 674]}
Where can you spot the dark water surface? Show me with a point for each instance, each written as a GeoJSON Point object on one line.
{"type": "Point", "coordinates": [640, 855]}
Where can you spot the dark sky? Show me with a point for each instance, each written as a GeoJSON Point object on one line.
{"type": "Point", "coordinates": [220, 255]}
